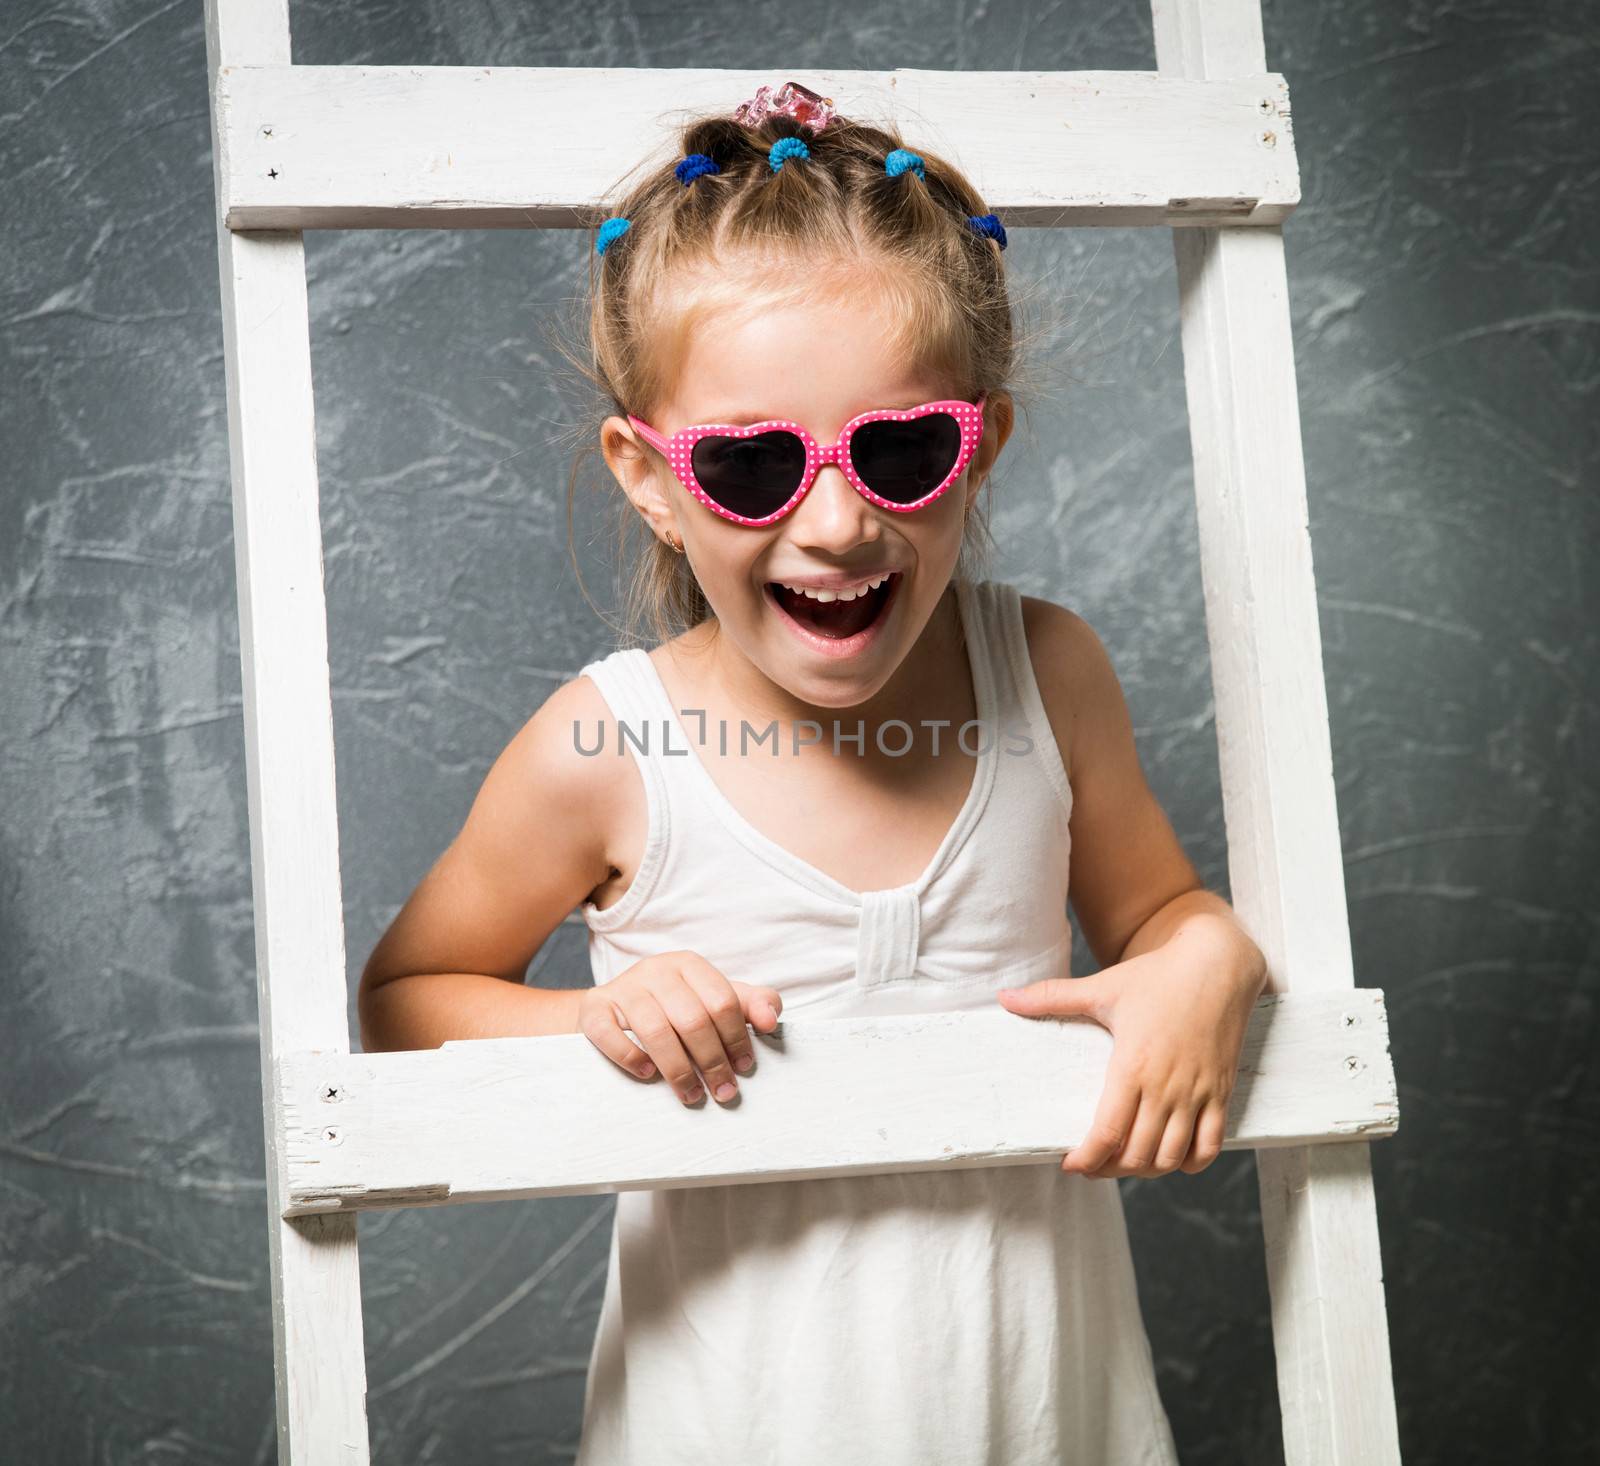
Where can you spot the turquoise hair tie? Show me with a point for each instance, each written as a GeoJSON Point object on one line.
{"type": "Point", "coordinates": [989, 224]}
{"type": "Point", "coordinates": [612, 230]}
{"type": "Point", "coordinates": [899, 160]}
{"type": "Point", "coordinates": [786, 147]}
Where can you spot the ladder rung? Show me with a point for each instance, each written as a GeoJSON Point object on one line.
{"type": "Point", "coordinates": [492, 1119]}
{"type": "Point", "coordinates": [472, 147]}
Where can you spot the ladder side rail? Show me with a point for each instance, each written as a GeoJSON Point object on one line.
{"type": "Point", "coordinates": [1330, 1329]}
{"type": "Point", "coordinates": [318, 1341]}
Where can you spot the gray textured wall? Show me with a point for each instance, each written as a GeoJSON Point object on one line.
{"type": "Point", "coordinates": [1442, 274]}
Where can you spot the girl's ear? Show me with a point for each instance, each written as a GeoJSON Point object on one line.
{"type": "Point", "coordinates": [999, 413]}
{"type": "Point", "coordinates": [630, 462]}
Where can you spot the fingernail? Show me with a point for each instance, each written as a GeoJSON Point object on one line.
{"type": "Point", "coordinates": [693, 1095]}
{"type": "Point", "coordinates": [726, 1091]}
{"type": "Point", "coordinates": [646, 1070]}
{"type": "Point", "coordinates": [744, 1063]}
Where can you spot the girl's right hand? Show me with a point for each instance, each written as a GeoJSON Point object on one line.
{"type": "Point", "coordinates": [686, 1014]}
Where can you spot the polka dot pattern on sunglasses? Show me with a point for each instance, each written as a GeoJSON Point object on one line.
{"type": "Point", "coordinates": [679, 450]}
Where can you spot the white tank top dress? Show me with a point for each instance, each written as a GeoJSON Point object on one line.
{"type": "Point", "coordinates": [984, 1317]}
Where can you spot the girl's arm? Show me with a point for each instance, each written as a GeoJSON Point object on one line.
{"type": "Point", "coordinates": [1179, 975]}
{"type": "Point", "coordinates": [1132, 886]}
{"type": "Point", "coordinates": [452, 963]}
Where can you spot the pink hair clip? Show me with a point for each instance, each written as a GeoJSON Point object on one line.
{"type": "Point", "coordinates": [789, 100]}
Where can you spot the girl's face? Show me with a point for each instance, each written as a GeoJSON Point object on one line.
{"type": "Point", "coordinates": [820, 364]}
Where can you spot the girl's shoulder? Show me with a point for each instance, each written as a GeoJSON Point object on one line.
{"type": "Point", "coordinates": [536, 841]}
{"type": "Point", "coordinates": [1126, 857]}
{"type": "Point", "coordinates": [1073, 671]}
{"type": "Point", "coordinates": [549, 765]}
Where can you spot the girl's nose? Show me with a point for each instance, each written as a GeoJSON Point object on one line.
{"type": "Point", "coordinates": [833, 515]}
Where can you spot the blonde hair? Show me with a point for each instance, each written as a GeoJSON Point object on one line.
{"type": "Point", "coordinates": [813, 226]}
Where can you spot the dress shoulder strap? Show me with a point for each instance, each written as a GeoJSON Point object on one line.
{"type": "Point", "coordinates": [633, 697]}
{"type": "Point", "coordinates": [1017, 687]}
{"type": "Point", "coordinates": [633, 692]}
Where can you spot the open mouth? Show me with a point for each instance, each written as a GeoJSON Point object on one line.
{"type": "Point", "coordinates": [836, 620]}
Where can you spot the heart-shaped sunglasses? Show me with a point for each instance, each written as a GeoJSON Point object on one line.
{"type": "Point", "coordinates": [897, 458]}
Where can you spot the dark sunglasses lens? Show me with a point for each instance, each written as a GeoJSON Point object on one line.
{"type": "Point", "coordinates": [906, 461]}
{"type": "Point", "coordinates": [753, 476]}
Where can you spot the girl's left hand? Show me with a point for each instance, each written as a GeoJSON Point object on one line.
{"type": "Point", "coordinates": [1178, 1016]}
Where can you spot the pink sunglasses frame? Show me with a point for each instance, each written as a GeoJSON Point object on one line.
{"type": "Point", "coordinates": [678, 451]}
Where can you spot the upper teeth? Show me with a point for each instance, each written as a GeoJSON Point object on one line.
{"type": "Point", "coordinates": [839, 595]}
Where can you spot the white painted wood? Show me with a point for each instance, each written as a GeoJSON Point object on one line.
{"type": "Point", "coordinates": [1330, 1329]}
{"type": "Point", "coordinates": [392, 147]}
{"type": "Point", "coordinates": [489, 1119]}
{"type": "Point", "coordinates": [294, 837]}
{"type": "Point", "coordinates": [1206, 142]}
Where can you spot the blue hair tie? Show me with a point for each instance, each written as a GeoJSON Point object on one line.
{"type": "Point", "coordinates": [989, 224]}
{"type": "Point", "coordinates": [899, 160]}
{"type": "Point", "coordinates": [613, 229]}
{"type": "Point", "coordinates": [694, 166]}
{"type": "Point", "coordinates": [786, 147]}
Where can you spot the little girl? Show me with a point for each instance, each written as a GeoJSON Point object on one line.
{"type": "Point", "coordinates": [806, 334]}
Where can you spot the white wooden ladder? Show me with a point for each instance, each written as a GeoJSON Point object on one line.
{"type": "Point", "coordinates": [1202, 146]}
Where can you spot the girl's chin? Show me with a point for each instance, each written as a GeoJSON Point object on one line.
{"type": "Point", "coordinates": [836, 630]}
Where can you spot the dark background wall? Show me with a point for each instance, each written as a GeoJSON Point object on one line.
{"type": "Point", "coordinates": [1442, 275]}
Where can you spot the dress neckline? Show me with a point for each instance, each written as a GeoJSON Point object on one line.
{"type": "Point", "coordinates": [975, 634]}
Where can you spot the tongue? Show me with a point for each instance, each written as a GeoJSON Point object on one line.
{"type": "Point", "coordinates": [837, 619]}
